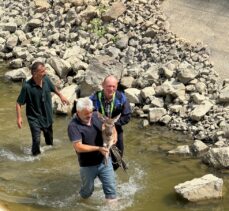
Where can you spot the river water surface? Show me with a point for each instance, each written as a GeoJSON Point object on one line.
{"type": "Point", "coordinates": [51, 181]}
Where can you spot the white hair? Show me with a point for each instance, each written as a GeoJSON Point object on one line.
{"type": "Point", "coordinates": [84, 103]}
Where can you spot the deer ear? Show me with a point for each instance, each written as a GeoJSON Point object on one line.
{"type": "Point", "coordinates": [101, 117]}
{"type": "Point", "coordinates": [115, 119]}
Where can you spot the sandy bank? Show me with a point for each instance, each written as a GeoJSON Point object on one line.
{"type": "Point", "coordinates": [206, 21]}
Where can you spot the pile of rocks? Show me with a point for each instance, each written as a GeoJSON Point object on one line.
{"type": "Point", "coordinates": [166, 79]}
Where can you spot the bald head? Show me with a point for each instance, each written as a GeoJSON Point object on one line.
{"type": "Point", "coordinates": [110, 85]}
{"type": "Point", "coordinates": [109, 79]}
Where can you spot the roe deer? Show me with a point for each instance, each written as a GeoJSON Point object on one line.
{"type": "Point", "coordinates": [109, 136]}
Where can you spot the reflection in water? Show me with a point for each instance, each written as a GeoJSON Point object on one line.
{"type": "Point", "coordinates": [51, 180]}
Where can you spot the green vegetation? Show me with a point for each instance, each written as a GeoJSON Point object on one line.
{"type": "Point", "coordinates": [115, 39]}
{"type": "Point", "coordinates": [97, 27]}
{"type": "Point", "coordinates": [102, 9]}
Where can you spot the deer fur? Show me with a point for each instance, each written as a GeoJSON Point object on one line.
{"type": "Point", "coordinates": [108, 130]}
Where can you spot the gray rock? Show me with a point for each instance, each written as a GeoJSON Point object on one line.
{"type": "Point", "coordinates": [11, 42]}
{"type": "Point", "coordinates": [186, 72]}
{"type": "Point", "coordinates": [224, 95]}
{"type": "Point", "coordinates": [147, 92]}
{"type": "Point", "coordinates": [70, 93]}
{"type": "Point", "coordinates": [34, 23]}
{"type": "Point", "coordinates": [60, 66]}
{"type": "Point", "coordinates": [10, 26]}
{"type": "Point", "coordinates": [199, 189]}
{"type": "Point", "coordinates": [200, 110]}
{"type": "Point", "coordinates": [199, 147]}
{"type": "Point", "coordinates": [181, 150]}
{"type": "Point", "coordinates": [217, 157]}
{"type": "Point", "coordinates": [155, 114]}
{"type": "Point", "coordinates": [116, 10]}
{"type": "Point", "coordinates": [16, 63]}
{"type": "Point", "coordinates": [133, 95]}
{"type": "Point", "coordinates": [98, 69]}
{"type": "Point", "coordinates": [18, 74]}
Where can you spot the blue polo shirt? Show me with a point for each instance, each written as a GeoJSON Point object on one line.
{"type": "Point", "coordinates": [38, 102]}
{"type": "Point", "coordinates": [90, 135]}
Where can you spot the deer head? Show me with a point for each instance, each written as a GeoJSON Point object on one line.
{"type": "Point", "coordinates": [108, 123]}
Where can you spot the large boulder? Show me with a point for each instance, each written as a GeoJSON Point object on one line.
{"type": "Point", "coordinates": [61, 66]}
{"type": "Point", "coordinates": [70, 93]}
{"type": "Point", "coordinates": [198, 189]}
{"type": "Point", "coordinates": [98, 69]}
{"type": "Point", "coordinates": [18, 74]}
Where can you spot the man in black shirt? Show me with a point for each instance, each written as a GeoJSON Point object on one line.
{"type": "Point", "coordinates": [84, 132]}
{"type": "Point", "coordinates": [36, 94]}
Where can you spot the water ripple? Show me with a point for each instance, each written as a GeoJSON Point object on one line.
{"type": "Point", "coordinates": [9, 155]}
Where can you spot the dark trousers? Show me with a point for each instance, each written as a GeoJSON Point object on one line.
{"type": "Point", "coordinates": [36, 137]}
{"type": "Point", "coordinates": [119, 143]}
{"type": "Point", "coordinates": [120, 146]}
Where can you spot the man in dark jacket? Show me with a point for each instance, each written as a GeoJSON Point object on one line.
{"type": "Point", "coordinates": [111, 102]}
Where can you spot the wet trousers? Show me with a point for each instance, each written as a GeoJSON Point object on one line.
{"type": "Point", "coordinates": [106, 175]}
{"type": "Point", "coordinates": [36, 137]}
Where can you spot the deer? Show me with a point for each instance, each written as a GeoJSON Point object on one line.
{"type": "Point", "coordinates": [109, 136]}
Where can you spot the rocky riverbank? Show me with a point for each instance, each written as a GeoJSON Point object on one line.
{"type": "Point", "coordinates": [166, 79]}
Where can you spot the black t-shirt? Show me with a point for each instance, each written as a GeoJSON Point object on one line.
{"type": "Point", "coordinates": [38, 102]}
{"type": "Point", "coordinates": [91, 135]}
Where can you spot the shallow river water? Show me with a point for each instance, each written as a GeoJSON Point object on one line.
{"type": "Point", "coordinates": [51, 181]}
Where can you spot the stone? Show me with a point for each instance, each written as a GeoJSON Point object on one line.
{"type": "Point", "coordinates": [198, 189]}
{"type": "Point", "coordinates": [155, 114]}
{"type": "Point", "coordinates": [217, 157]}
{"type": "Point", "coordinates": [200, 110]}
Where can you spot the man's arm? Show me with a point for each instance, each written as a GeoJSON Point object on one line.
{"type": "Point", "coordinates": [115, 135]}
{"type": "Point", "coordinates": [125, 115]}
{"type": "Point", "coordinates": [124, 119]}
{"type": "Point", "coordinates": [19, 118]}
{"type": "Point", "coordinates": [79, 147]}
{"type": "Point", "coordinates": [63, 99]}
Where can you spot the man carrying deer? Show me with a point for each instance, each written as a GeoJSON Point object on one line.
{"type": "Point", "coordinates": [85, 132]}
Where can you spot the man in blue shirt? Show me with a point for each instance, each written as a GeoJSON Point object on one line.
{"type": "Point", "coordinates": [111, 102]}
{"type": "Point", "coordinates": [84, 132]}
{"type": "Point", "coordinates": [36, 94]}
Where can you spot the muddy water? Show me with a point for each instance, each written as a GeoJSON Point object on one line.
{"type": "Point", "coordinates": [51, 181]}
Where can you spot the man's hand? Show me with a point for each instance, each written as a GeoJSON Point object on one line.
{"type": "Point", "coordinates": [18, 112]}
{"type": "Point", "coordinates": [64, 100]}
{"type": "Point", "coordinates": [19, 122]}
{"type": "Point", "coordinates": [104, 151]}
